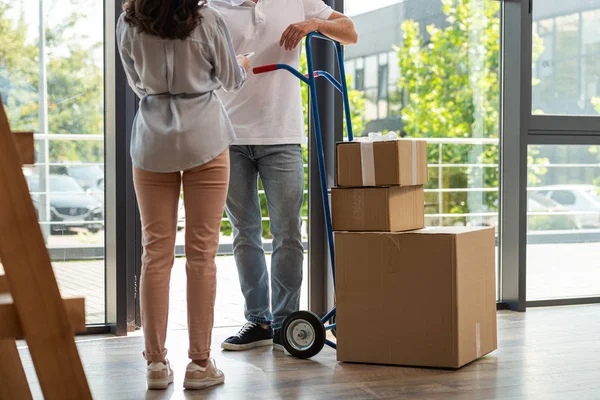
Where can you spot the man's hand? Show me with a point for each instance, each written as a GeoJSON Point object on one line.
{"type": "Point", "coordinates": [294, 34]}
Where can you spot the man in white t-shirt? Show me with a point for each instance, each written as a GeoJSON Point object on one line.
{"type": "Point", "coordinates": [268, 120]}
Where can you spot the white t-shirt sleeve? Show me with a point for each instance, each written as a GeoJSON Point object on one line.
{"type": "Point", "coordinates": [316, 9]}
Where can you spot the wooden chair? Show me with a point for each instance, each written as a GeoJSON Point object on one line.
{"type": "Point", "coordinates": [30, 303]}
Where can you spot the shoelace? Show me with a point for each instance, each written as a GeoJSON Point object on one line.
{"type": "Point", "coordinates": [245, 329]}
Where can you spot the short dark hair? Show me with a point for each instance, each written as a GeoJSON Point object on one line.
{"type": "Point", "coordinates": [168, 19]}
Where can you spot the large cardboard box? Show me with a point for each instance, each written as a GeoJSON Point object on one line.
{"type": "Point", "coordinates": [400, 162]}
{"type": "Point", "coordinates": [425, 298]}
{"type": "Point", "coordinates": [383, 209]}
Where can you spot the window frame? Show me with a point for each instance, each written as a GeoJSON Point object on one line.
{"type": "Point", "coordinates": [521, 129]}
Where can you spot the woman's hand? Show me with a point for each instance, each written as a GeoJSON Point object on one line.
{"type": "Point", "coordinates": [244, 62]}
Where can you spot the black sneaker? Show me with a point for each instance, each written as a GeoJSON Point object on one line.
{"type": "Point", "coordinates": [277, 342]}
{"type": "Point", "coordinates": [250, 336]}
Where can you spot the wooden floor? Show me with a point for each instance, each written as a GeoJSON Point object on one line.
{"type": "Point", "coordinates": [544, 354]}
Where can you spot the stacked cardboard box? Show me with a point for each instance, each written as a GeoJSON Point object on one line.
{"type": "Point", "coordinates": [406, 295]}
{"type": "Point", "coordinates": [380, 186]}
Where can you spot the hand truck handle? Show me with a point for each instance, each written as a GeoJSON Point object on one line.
{"type": "Point", "coordinates": [342, 69]}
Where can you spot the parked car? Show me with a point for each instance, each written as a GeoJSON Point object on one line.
{"type": "Point", "coordinates": [577, 198]}
{"type": "Point", "coordinates": [69, 204]}
{"type": "Point", "coordinates": [86, 175]}
{"type": "Point", "coordinates": [545, 220]}
{"type": "Point", "coordinates": [98, 190]}
{"type": "Point", "coordinates": [538, 203]}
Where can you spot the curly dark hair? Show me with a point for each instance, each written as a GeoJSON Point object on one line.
{"type": "Point", "coordinates": [168, 19]}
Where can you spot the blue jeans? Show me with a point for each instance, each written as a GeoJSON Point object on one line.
{"type": "Point", "coordinates": [281, 171]}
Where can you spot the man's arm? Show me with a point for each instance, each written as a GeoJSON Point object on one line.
{"type": "Point", "coordinates": [338, 27]}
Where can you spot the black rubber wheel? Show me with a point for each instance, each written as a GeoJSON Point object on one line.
{"type": "Point", "coordinates": [303, 334]}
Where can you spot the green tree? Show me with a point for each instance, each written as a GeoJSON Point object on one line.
{"type": "Point", "coordinates": [74, 81]}
{"type": "Point", "coordinates": [451, 85]}
{"type": "Point", "coordinates": [18, 70]}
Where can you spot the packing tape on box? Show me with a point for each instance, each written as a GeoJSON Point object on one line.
{"type": "Point", "coordinates": [367, 162]}
{"type": "Point", "coordinates": [367, 157]}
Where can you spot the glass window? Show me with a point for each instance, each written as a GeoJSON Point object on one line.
{"type": "Point", "coordinates": [591, 79]}
{"type": "Point", "coordinates": [563, 222]}
{"type": "Point", "coordinates": [544, 51]}
{"type": "Point", "coordinates": [60, 97]}
{"type": "Point", "coordinates": [567, 35]}
{"type": "Point", "coordinates": [565, 68]}
{"type": "Point", "coordinates": [438, 85]}
{"type": "Point", "coordinates": [371, 72]}
{"type": "Point", "coordinates": [371, 111]}
{"type": "Point", "coordinates": [591, 32]}
{"type": "Point", "coordinates": [382, 109]}
{"type": "Point", "coordinates": [351, 73]}
{"type": "Point", "coordinates": [394, 68]}
{"type": "Point", "coordinates": [383, 82]}
{"type": "Point", "coordinates": [360, 79]}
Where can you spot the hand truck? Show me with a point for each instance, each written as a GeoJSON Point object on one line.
{"type": "Point", "coordinates": [304, 333]}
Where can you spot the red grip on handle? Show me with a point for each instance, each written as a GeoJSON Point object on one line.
{"type": "Point", "coordinates": [265, 68]}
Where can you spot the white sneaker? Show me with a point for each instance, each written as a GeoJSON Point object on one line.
{"type": "Point", "coordinates": [158, 375]}
{"type": "Point", "coordinates": [197, 377]}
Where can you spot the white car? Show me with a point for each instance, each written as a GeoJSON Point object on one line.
{"type": "Point", "coordinates": [582, 200]}
{"type": "Point", "coordinates": [547, 220]}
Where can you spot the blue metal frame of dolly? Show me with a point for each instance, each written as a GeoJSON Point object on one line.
{"type": "Point", "coordinates": [303, 333]}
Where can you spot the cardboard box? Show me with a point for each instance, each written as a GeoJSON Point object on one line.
{"type": "Point", "coordinates": [385, 209]}
{"type": "Point", "coordinates": [425, 298]}
{"type": "Point", "coordinates": [401, 162]}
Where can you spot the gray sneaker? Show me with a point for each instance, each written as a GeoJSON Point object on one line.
{"type": "Point", "coordinates": [159, 376]}
{"type": "Point", "coordinates": [197, 377]}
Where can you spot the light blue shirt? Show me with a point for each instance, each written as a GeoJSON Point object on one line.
{"type": "Point", "coordinates": [181, 123]}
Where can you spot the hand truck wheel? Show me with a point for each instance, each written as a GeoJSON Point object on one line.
{"type": "Point", "coordinates": [303, 334]}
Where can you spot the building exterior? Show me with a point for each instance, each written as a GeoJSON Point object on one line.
{"type": "Point", "coordinates": [569, 31]}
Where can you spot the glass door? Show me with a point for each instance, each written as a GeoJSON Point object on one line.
{"type": "Point", "coordinates": [563, 184]}
{"type": "Point", "coordinates": [52, 83]}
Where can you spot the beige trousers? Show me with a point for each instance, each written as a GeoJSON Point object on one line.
{"type": "Point", "coordinates": [205, 191]}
